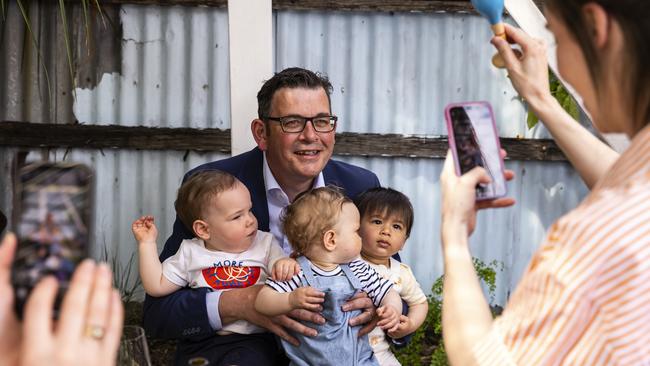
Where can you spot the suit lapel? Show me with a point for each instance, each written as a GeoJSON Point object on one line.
{"type": "Point", "coordinates": [253, 175]}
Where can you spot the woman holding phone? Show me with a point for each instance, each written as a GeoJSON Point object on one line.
{"type": "Point", "coordinates": [89, 327]}
{"type": "Point", "coordinates": [585, 296]}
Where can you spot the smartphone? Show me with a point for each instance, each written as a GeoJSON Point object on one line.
{"type": "Point", "coordinates": [3, 223]}
{"type": "Point", "coordinates": [474, 141]}
{"type": "Point", "coordinates": [51, 220]}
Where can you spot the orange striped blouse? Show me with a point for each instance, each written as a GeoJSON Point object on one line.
{"type": "Point", "coordinates": [585, 297]}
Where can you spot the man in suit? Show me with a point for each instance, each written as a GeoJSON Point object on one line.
{"type": "Point", "coordinates": [295, 133]}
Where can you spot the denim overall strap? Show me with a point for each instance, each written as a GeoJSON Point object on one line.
{"type": "Point", "coordinates": [305, 265]}
{"type": "Point", "coordinates": [356, 283]}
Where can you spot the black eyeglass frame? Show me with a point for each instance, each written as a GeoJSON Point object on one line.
{"type": "Point", "coordinates": [282, 120]}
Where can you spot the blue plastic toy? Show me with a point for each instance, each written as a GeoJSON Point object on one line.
{"type": "Point", "coordinates": [493, 10]}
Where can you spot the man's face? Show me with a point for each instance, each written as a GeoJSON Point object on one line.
{"type": "Point", "coordinates": [297, 157]}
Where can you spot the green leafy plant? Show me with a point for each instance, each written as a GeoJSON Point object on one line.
{"type": "Point", "coordinates": [426, 346]}
{"type": "Point", "coordinates": [563, 97]}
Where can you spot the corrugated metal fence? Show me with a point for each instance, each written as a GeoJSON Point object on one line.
{"type": "Point", "coordinates": [392, 73]}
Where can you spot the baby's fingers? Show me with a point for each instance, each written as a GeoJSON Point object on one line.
{"type": "Point", "coordinates": [312, 292]}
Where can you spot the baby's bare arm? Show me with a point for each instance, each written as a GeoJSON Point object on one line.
{"type": "Point", "coordinates": [153, 281]}
{"type": "Point", "coordinates": [271, 302]}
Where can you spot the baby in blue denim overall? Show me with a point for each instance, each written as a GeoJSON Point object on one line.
{"type": "Point", "coordinates": [322, 226]}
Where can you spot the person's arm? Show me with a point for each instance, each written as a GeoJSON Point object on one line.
{"type": "Point", "coordinates": [188, 305]}
{"type": "Point", "coordinates": [412, 294]}
{"type": "Point", "coordinates": [466, 316]}
{"type": "Point", "coordinates": [411, 322]}
{"type": "Point", "coordinates": [271, 302]}
{"type": "Point", "coordinates": [591, 157]}
{"type": "Point", "coordinates": [151, 270]}
{"type": "Point", "coordinates": [390, 311]}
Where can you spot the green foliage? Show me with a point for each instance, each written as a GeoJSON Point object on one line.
{"type": "Point", "coordinates": [563, 97]}
{"type": "Point", "coordinates": [426, 346]}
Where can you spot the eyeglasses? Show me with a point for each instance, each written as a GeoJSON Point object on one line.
{"type": "Point", "coordinates": [296, 124]}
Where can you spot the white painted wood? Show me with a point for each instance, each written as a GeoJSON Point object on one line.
{"type": "Point", "coordinates": [251, 62]}
{"type": "Point", "coordinates": [532, 21]}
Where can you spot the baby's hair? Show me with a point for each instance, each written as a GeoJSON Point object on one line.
{"type": "Point", "coordinates": [386, 202]}
{"type": "Point", "coordinates": [196, 192]}
{"type": "Point", "coordinates": [311, 215]}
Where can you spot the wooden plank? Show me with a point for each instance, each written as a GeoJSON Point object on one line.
{"type": "Point", "coordinates": [392, 145]}
{"type": "Point", "coordinates": [336, 5]}
{"type": "Point", "coordinates": [37, 135]}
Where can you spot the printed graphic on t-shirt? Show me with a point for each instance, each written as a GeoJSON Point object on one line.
{"type": "Point", "coordinates": [227, 277]}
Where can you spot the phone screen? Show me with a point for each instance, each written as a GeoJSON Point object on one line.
{"type": "Point", "coordinates": [474, 142]}
{"type": "Point", "coordinates": [52, 211]}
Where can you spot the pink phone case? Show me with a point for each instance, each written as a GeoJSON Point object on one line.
{"type": "Point", "coordinates": [502, 189]}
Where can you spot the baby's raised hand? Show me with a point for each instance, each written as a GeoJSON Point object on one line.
{"type": "Point", "coordinates": [306, 298]}
{"type": "Point", "coordinates": [144, 230]}
{"type": "Point", "coordinates": [285, 268]}
{"type": "Point", "coordinates": [402, 328]}
{"type": "Point", "coordinates": [389, 318]}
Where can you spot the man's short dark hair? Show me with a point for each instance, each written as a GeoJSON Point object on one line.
{"type": "Point", "coordinates": [293, 77]}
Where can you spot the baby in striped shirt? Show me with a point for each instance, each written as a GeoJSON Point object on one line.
{"type": "Point", "coordinates": [322, 226]}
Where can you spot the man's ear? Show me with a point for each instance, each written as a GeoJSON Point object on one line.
{"type": "Point", "coordinates": [201, 229]}
{"type": "Point", "coordinates": [598, 23]}
{"type": "Point", "coordinates": [260, 134]}
{"type": "Point", "coordinates": [329, 240]}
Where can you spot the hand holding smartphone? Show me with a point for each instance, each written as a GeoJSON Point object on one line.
{"type": "Point", "coordinates": [52, 214]}
{"type": "Point", "coordinates": [474, 141]}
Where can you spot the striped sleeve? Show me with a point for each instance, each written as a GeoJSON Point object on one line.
{"type": "Point", "coordinates": [286, 286]}
{"type": "Point", "coordinates": [371, 282]}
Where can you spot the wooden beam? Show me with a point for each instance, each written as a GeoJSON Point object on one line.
{"type": "Point", "coordinates": [38, 135]}
{"type": "Point", "coordinates": [392, 145]}
{"type": "Point", "coordinates": [42, 135]}
{"type": "Point", "coordinates": [336, 5]}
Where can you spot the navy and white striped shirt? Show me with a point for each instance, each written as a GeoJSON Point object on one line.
{"type": "Point", "coordinates": [371, 282]}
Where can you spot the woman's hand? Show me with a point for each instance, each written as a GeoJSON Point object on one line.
{"type": "Point", "coordinates": [459, 205]}
{"type": "Point", "coordinates": [528, 72]}
{"type": "Point", "coordinates": [90, 323]}
{"type": "Point", "coordinates": [10, 330]}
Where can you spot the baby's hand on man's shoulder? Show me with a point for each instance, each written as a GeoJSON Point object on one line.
{"type": "Point", "coordinates": [144, 229]}
{"type": "Point", "coordinates": [284, 269]}
{"type": "Point", "coordinates": [389, 318]}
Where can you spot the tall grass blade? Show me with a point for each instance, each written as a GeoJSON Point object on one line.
{"type": "Point", "coordinates": [99, 9]}
{"type": "Point", "coordinates": [66, 37]}
{"type": "Point", "coordinates": [38, 50]}
{"type": "Point", "coordinates": [84, 6]}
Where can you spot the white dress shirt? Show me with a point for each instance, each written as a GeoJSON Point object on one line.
{"type": "Point", "coordinates": [277, 200]}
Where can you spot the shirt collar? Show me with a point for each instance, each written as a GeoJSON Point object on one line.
{"type": "Point", "coordinates": [271, 184]}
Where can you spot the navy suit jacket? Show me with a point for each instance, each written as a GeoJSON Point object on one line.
{"type": "Point", "coordinates": [183, 314]}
